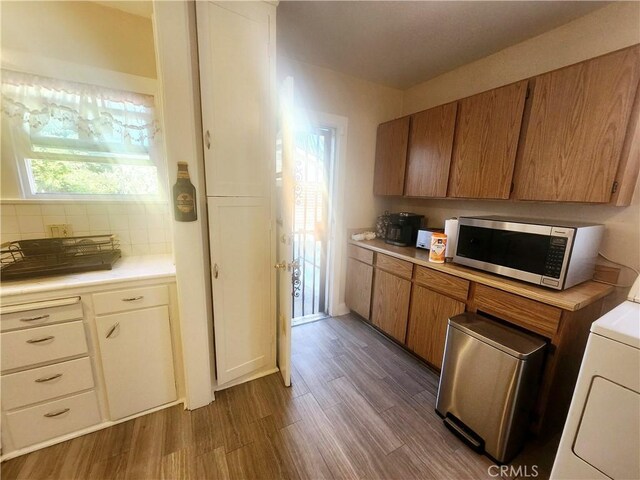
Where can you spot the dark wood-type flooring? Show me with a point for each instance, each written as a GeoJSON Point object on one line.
{"type": "Point", "coordinates": [360, 407]}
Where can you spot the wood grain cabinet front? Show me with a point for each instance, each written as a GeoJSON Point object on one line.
{"type": "Point", "coordinates": [390, 304]}
{"type": "Point", "coordinates": [534, 316]}
{"type": "Point", "coordinates": [429, 157]}
{"type": "Point", "coordinates": [358, 288]}
{"type": "Point", "coordinates": [394, 265]}
{"type": "Point", "coordinates": [391, 157]}
{"type": "Point", "coordinates": [486, 142]}
{"type": "Point", "coordinates": [575, 129]}
{"type": "Point", "coordinates": [430, 312]}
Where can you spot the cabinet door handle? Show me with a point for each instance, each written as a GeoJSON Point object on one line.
{"type": "Point", "coordinates": [48, 379]}
{"type": "Point", "coordinates": [40, 340]}
{"type": "Point", "coordinates": [113, 329]}
{"type": "Point", "coordinates": [58, 413]}
{"type": "Point", "coordinates": [216, 272]}
{"type": "Point", "coordinates": [33, 319]}
{"type": "Point", "coordinates": [207, 139]}
{"type": "Point", "coordinates": [133, 299]}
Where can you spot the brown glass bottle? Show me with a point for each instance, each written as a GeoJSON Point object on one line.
{"type": "Point", "coordinates": [184, 196]}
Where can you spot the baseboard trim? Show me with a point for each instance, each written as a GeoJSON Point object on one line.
{"type": "Point", "coordinates": [341, 309]}
{"type": "Point", "coordinates": [84, 431]}
{"type": "Point", "coordinates": [250, 377]}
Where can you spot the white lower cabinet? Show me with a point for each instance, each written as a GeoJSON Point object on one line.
{"type": "Point", "coordinates": [43, 422]}
{"type": "Point", "coordinates": [137, 360]}
{"type": "Point", "coordinates": [40, 384]}
{"type": "Point", "coordinates": [42, 344]}
{"type": "Point", "coordinates": [74, 364]}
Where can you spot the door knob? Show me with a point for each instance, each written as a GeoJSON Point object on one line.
{"type": "Point", "coordinates": [280, 266]}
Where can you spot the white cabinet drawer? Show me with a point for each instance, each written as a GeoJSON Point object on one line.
{"type": "Point", "coordinates": [37, 314]}
{"type": "Point", "coordinates": [137, 360]}
{"type": "Point", "coordinates": [42, 344]}
{"type": "Point", "coordinates": [121, 300]}
{"type": "Point", "coordinates": [42, 422]}
{"type": "Point", "coordinates": [44, 383]}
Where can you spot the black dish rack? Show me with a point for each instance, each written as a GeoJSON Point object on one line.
{"type": "Point", "coordinates": [58, 256]}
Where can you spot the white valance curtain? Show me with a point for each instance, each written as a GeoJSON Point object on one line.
{"type": "Point", "coordinates": [77, 113]}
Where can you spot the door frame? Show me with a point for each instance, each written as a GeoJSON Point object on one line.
{"type": "Point", "coordinates": [336, 236]}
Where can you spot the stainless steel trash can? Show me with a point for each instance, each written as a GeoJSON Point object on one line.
{"type": "Point", "coordinates": [489, 381]}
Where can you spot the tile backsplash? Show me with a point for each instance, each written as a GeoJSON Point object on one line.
{"type": "Point", "coordinates": [142, 228]}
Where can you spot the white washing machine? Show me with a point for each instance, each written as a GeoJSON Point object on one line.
{"type": "Point", "coordinates": [601, 438]}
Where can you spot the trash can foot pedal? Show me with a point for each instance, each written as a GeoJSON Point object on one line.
{"type": "Point", "coordinates": [464, 433]}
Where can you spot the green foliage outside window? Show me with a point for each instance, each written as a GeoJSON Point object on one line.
{"type": "Point", "coordinates": [93, 178]}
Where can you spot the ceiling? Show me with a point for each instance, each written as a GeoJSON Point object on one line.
{"type": "Point", "coordinates": [403, 43]}
{"type": "Point", "coordinates": [142, 8]}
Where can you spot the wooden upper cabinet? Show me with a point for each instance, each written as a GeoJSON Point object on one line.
{"type": "Point", "coordinates": [486, 141]}
{"type": "Point", "coordinates": [430, 144]}
{"type": "Point", "coordinates": [391, 157]}
{"type": "Point", "coordinates": [575, 130]}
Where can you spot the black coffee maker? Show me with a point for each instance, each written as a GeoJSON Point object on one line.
{"type": "Point", "coordinates": [402, 229]}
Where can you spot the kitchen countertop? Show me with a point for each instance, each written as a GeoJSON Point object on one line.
{"type": "Point", "coordinates": [571, 299]}
{"type": "Point", "coordinates": [145, 267]}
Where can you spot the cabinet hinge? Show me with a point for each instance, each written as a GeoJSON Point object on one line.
{"type": "Point", "coordinates": [614, 188]}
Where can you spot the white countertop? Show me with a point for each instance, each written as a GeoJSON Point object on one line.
{"type": "Point", "coordinates": [126, 269]}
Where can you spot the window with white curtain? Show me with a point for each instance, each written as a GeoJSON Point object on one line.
{"type": "Point", "coordinates": [73, 140]}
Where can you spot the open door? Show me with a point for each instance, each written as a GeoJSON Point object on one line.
{"type": "Point", "coordinates": [284, 229]}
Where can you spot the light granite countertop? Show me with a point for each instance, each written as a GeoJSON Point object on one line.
{"type": "Point", "coordinates": [132, 268]}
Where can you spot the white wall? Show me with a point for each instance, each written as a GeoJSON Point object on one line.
{"type": "Point", "coordinates": [80, 32]}
{"type": "Point", "coordinates": [89, 43]}
{"type": "Point", "coordinates": [176, 45]}
{"type": "Point", "coordinates": [610, 28]}
{"type": "Point", "coordinates": [605, 30]}
{"type": "Point", "coordinates": [365, 105]}
{"type": "Point", "coordinates": [76, 41]}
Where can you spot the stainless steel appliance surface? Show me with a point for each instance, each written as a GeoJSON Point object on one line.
{"type": "Point", "coordinates": [488, 384]}
{"type": "Point", "coordinates": [402, 229]}
{"type": "Point", "coordinates": [424, 237]}
{"type": "Point", "coordinates": [555, 254]}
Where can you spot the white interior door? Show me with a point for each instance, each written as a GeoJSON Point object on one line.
{"type": "Point", "coordinates": [284, 222]}
{"type": "Point", "coordinates": [241, 273]}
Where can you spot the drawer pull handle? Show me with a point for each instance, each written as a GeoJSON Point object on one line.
{"type": "Point", "coordinates": [113, 329]}
{"type": "Point", "coordinates": [40, 340]}
{"type": "Point", "coordinates": [57, 414]}
{"type": "Point", "coordinates": [133, 299]}
{"type": "Point", "coordinates": [48, 379]}
{"type": "Point", "coordinates": [33, 319]}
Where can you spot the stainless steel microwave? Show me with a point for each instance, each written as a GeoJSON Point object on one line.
{"type": "Point", "coordinates": [553, 254]}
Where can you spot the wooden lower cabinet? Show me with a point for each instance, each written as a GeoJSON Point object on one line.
{"type": "Point", "coordinates": [358, 288]}
{"type": "Point", "coordinates": [390, 305]}
{"type": "Point", "coordinates": [430, 312]}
